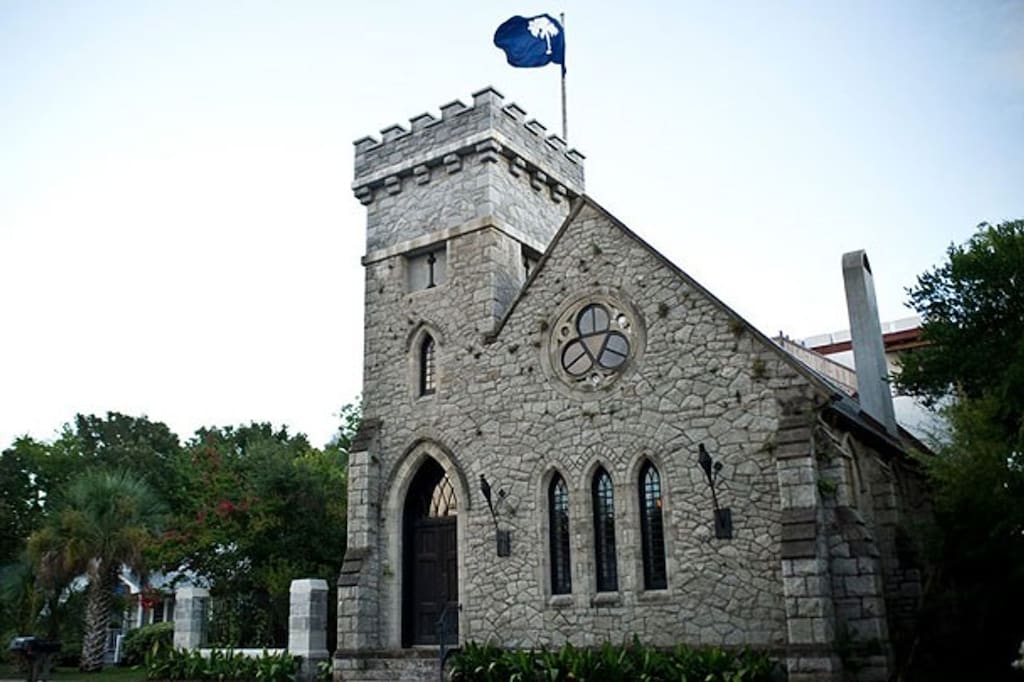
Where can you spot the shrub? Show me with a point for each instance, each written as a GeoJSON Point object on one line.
{"type": "Point", "coordinates": [137, 642]}
{"type": "Point", "coordinates": [610, 663]}
{"type": "Point", "coordinates": [165, 663]}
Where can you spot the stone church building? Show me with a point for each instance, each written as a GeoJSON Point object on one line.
{"type": "Point", "coordinates": [568, 439]}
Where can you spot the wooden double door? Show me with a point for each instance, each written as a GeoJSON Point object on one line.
{"type": "Point", "coordinates": [431, 562]}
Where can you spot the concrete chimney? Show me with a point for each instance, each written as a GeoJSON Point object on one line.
{"type": "Point", "coordinates": [868, 348]}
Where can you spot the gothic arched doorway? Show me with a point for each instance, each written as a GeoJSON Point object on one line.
{"type": "Point", "coordinates": [430, 558]}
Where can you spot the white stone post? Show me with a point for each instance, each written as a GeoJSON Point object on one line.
{"type": "Point", "coordinates": [307, 625]}
{"type": "Point", "coordinates": [190, 607]}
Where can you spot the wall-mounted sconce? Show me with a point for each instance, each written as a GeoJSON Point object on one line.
{"type": "Point", "coordinates": [723, 516]}
{"type": "Point", "coordinates": [504, 537]}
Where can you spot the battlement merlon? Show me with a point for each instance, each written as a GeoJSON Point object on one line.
{"type": "Point", "coordinates": [461, 131]}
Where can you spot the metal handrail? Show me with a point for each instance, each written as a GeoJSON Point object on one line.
{"type": "Point", "coordinates": [442, 635]}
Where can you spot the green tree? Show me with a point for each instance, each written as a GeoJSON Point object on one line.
{"type": "Point", "coordinates": [351, 416]}
{"type": "Point", "coordinates": [264, 507]}
{"type": "Point", "coordinates": [102, 521]}
{"type": "Point", "coordinates": [972, 307]}
{"type": "Point", "coordinates": [119, 442]}
{"type": "Point", "coordinates": [21, 496]}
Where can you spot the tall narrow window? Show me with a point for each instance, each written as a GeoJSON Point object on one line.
{"type": "Point", "coordinates": [604, 532]}
{"type": "Point", "coordinates": [652, 529]}
{"type": "Point", "coordinates": [431, 274]}
{"type": "Point", "coordinates": [426, 269]}
{"type": "Point", "coordinates": [558, 506]}
{"type": "Point", "coordinates": [428, 376]}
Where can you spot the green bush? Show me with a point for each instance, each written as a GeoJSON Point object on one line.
{"type": "Point", "coordinates": [610, 663]}
{"type": "Point", "coordinates": [137, 642]}
{"type": "Point", "coordinates": [165, 663]}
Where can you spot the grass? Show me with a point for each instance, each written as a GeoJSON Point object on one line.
{"type": "Point", "coordinates": [8, 672]}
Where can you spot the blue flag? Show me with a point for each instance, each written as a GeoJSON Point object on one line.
{"type": "Point", "coordinates": [532, 41]}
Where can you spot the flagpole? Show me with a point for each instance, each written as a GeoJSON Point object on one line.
{"type": "Point", "coordinates": [565, 124]}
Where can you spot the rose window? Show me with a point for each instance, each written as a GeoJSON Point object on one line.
{"type": "Point", "coordinates": [594, 340]}
{"type": "Point", "coordinates": [598, 345]}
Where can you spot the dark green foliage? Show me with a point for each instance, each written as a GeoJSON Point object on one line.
{"type": "Point", "coordinates": [632, 662]}
{"type": "Point", "coordinates": [136, 444]}
{"type": "Point", "coordinates": [21, 501]}
{"type": "Point", "coordinates": [100, 523]}
{"type": "Point", "coordinates": [165, 663]}
{"type": "Point", "coordinates": [250, 507]}
{"type": "Point", "coordinates": [973, 311]}
{"type": "Point", "coordinates": [141, 640]}
{"type": "Point", "coordinates": [974, 595]}
{"type": "Point", "coordinates": [251, 619]}
{"type": "Point", "coordinates": [264, 507]}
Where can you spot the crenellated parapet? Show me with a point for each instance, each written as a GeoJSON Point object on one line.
{"type": "Point", "coordinates": [488, 132]}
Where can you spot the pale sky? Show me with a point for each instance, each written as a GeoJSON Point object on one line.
{"type": "Point", "coordinates": [178, 236]}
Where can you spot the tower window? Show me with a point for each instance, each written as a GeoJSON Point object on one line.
{"type": "Point", "coordinates": [558, 509]}
{"type": "Point", "coordinates": [427, 269]}
{"type": "Point", "coordinates": [604, 532]}
{"type": "Point", "coordinates": [652, 529]}
{"type": "Point", "coordinates": [428, 368]}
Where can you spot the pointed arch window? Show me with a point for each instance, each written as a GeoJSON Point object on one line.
{"type": "Point", "coordinates": [558, 528]}
{"type": "Point", "coordinates": [604, 532]}
{"type": "Point", "coordinates": [428, 367]}
{"type": "Point", "coordinates": [652, 528]}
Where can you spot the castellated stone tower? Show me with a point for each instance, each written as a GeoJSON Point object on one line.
{"type": "Point", "coordinates": [459, 210]}
{"type": "Point", "coordinates": [473, 197]}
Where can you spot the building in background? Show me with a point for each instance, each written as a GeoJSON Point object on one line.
{"type": "Point", "coordinates": [832, 355]}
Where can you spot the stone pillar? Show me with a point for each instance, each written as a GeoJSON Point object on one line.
{"type": "Point", "coordinates": [307, 625]}
{"type": "Point", "coordinates": [359, 580]}
{"type": "Point", "coordinates": [807, 585]}
{"type": "Point", "coordinates": [191, 605]}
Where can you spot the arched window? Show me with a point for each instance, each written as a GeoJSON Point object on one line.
{"type": "Point", "coordinates": [558, 522]}
{"type": "Point", "coordinates": [604, 532]}
{"type": "Point", "coordinates": [428, 369]}
{"type": "Point", "coordinates": [652, 529]}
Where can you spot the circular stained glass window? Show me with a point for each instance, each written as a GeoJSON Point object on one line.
{"type": "Point", "coordinates": [593, 341]}
{"type": "Point", "coordinates": [596, 344]}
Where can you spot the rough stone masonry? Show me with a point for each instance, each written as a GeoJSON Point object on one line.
{"type": "Point", "coordinates": [518, 332]}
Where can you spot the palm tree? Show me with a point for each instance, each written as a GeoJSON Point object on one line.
{"type": "Point", "coordinates": [104, 520]}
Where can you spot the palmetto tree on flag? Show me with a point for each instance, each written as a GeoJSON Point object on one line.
{"type": "Point", "coordinates": [544, 29]}
{"type": "Point", "coordinates": [534, 41]}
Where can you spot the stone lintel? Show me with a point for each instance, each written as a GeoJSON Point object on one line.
{"type": "Point", "coordinates": [799, 531]}
{"type": "Point", "coordinates": [793, 435]}
{"type": "Point", "coordinates": [800, 515]}
{"type": "Point", "coordinates": [793, 450]}
{"type": "Point", "coordinates": [799, 549]}
{"type": "Point", "coordinates": [793, 421]}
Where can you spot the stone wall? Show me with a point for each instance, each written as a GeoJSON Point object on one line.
{"type": "Point", "coordinates": [813, 563]}
{"type": "Point", "coordinates": [705, 378]}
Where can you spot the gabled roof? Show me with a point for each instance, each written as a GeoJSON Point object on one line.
{"type": "Point", "coordinates": [844, 405]}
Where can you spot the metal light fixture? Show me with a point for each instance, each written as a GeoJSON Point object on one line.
{"type": "Point", "coordinates": [723, 516]}
{"type": "Point", "coordinates": [504, 537]}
